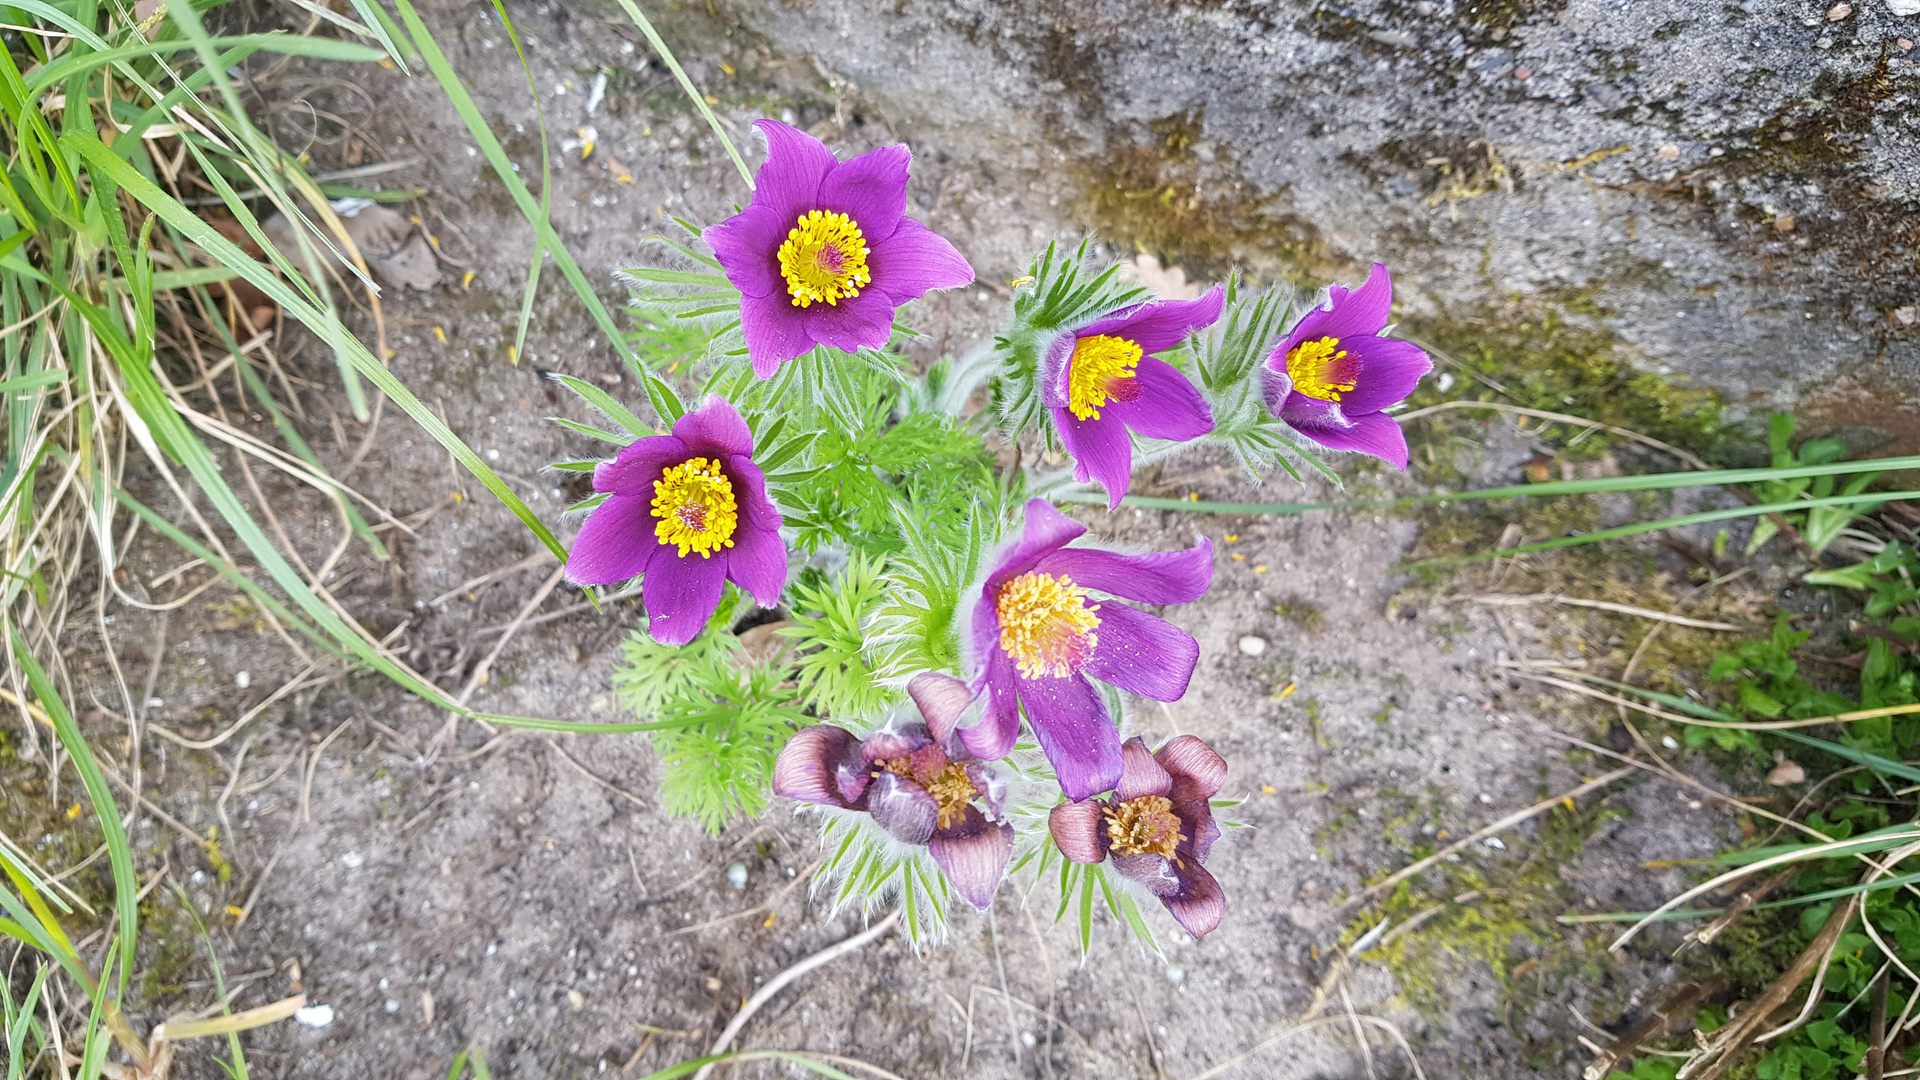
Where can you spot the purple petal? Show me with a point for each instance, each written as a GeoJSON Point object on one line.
{"type": "Point", "coordinates": [894, 742]}
{"type": "Point", "coordinates": [1363, 313]}
{"type": "Point", "coordinates": [1197, 773]}
{"type": "Point", "coordinates": [1161, 324]}
{"type": "Point", "coordinates": [615, 542]}
{"type": "Point", "coordinates": [788, 183]}
{"type": "Point", "coordinates": [864, 321]}
{"type": "Point", "coordinates": [1389, 371]}
{"type": "Point", "coordinates": [748, 247]}
{"type": "Point", "coordinates": [1101, 451]}
{"type": "Point", "coordinates": [1140, 774]}
{"type": "Point", "coordinates": [1169, 407]}
{"type": "Point", "coordinates": [871, 189]}
{"type": "Point", "coordinates": [1079, 740]}
{"type": "Point", "coordinates": [991, 783]}
{"type": "Point", "coordinates": [715, 429]}
{"type": "Point", "coordinates": [1079, 831]}
{"type": "Point", "coordinates": [681, 593]}
{"type": "Point", "coordinates": [809, 766]}
{"type": "Point", "coordinates": [1046, 530]}
{"type": "Point", "coordinates": [638, 464]}
{"type": "Point", "coordinates": [1156, 872]}
{"type": "Point", "coordinates": [775, 332]}
{"type": "Point", "coordinates": [1200, 905]}
{"type": "Point", "coordinates": [1373, 433]}
{"type": "Point", "coordinates": [914, 260]}
{"type": "Point", "coordinates": [757, 562]}
{"type": "Point", "coordinates": [941, 699]}
{"type": "Point", "coordinates": [1161, 577]}
{"type": "Point", "coordinates": [1142, 653]}
{"type": "Point", "coordinates": [1276, 385]}
{"type": "Point", "coordinates": [973, 853]}
{"type": "Point", "coordinates": [903, 808]}
{"type": "Point", "coordinates": [999, 726]}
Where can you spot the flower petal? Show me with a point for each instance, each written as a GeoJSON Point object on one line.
{"type": "Point", "coordinates": [715, 429]}
{"type": "Point", "coordinates": [1161, 577]}
{"type": "Point", "coordinates": [775, 330]}
{"type": "Point", "coordinates": [1142, 653]}
{"type": "Point", "coordinates": [1200, 905]}
{"type": "Point", "coordinates": [857, 322]}
{"type": "Point", "coordinates": [681, 593]}
{"type": "Point", "coordinates": [809, 767]}
{"type": "Point", "coordinates": [1080, 742]}
{"type": "Point", "coordinates": [894, 742]}
{"type": "Point", "coordinates": [1079, 830]}
{"type": "Point", "coordinates": [1101, 449]}
{"type": "Point", "coordinates": [1156, 872]}
{"type": "Point", "coordinates": [903, 808]}
{"type": "Point", "coordinates": [871, 189]}
{"type": "Point", "coordinates": [757, 562]}
{"type": "Point", "coordinates": [941, 699]}
{"type": "Point", "coordinates": [992, 783]}
{"type": "Point", "coordinates": [1046, 530]}
{"type": "Point", "coordinates": [748, 247]}
{"type": "Point", "coordinates": [1197, 773]}
{"type": "Point", "coordinates": [788, 182]}
{"type": "Point", "coordinates": [1169, 407]}
{"type": "Point", "coordinates": [1389, 371]}
{"type": "Point", "coordinates": [973, 853]}
{"type": "Point", "coordinates": [1140, 774]}
{"type": "Point", "coordinates": [638, 464]}
{"type": "Point", "coordinates": [999, 726]}
{"type": "Point", "coordinates": [1161, 324]}
{"type": "Point", "coordinates": [1372, 433]}
{"type": "Point", "coordinates": [1363, 313]}
{"type": "Point", "coordinates": [914, 260]}
{"type": "Point", "coordinates": [615, 542]}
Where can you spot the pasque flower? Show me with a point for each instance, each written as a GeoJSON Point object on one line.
{"type": "Point", "coordinates": [1333, 373]}
{"type": "Point", "coordinates": [1039, 636]}
{"type": "Point", "coordinates": [917, 782]}
{"type": "Point", "coordinates": [690, 511]}
{"type": "Point", "coordinates": [1157, 827]}
{"type": "Point", "coordinates": [1103, 380]}
{"type": "Point", "coordinates": [825, 251]}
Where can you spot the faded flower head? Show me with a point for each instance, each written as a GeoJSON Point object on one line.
{"type": "Point", "coordinates": [1333, 373]}
{"type": "Point", "coordinates": [825, 252]}
{"type": "Point", "coordinates": [1039, 636]}
{"type": "Point", "coordinates": [1103, 381]}
{"type": "Point", "coordinates": [690, 511]}
{"type": "Point", "coordinates": [918, 783]}
{"type": "Point", "coordinates": [1157, 828]}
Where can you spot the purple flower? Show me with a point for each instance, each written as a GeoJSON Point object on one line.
{"type": "Point", "coordinates": [1333, 374]}
{"type": "Point", "coordinates": [1157, 828]}
{"type": "Point", "coordinates": [1038, 637]}
{"type": "Point", "coordinates": [689, 510]}
{"type": "Point", "coordinates": [1103, 380]}
{"type": "Point", "coordinates": [824, 253]}
{"type": "Point", "coordinates": [916, 781]}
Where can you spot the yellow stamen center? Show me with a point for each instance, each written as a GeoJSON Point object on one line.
{"type": "Point", "coordinates": [1046, 624]}
{"type": "Point", "coordinates": [694, 502]}
{"type": "Point", "coordinates": [952, 791]}
{"type": "Point", "coordinates": [1322, 369]}
{"type": "Point", "coordinates": [824, 259]}
{"type": "Point", "coordinates": [1102, 368]}
{"type": "Point", "coordinates": [1143, 826]}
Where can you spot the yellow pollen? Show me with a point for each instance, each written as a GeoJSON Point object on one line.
{"type": "Point", "coordinates": [1046, 625]}
{"type": "Point", "coordinates": [1143, 826]}
{"type": "Point", "coordinates": [949, 786]}
{"type": "Point", "coordinates": [694, 502]}
{"type": "Point", "coordinates": [1321, 369]}
{"type": "Point", "coordinates": [824, 259]}
{"type": "Point", "coordinates": [1101, 368]}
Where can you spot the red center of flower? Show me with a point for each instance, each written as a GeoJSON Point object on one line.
{"type": "Point", "coordinates": [1322, 369]}
{"type": "Point", "coordinates": [1143, 826]}
{"type": "Point", "coordinates": [831, 259]}
{"type": "Point", "coordinates": [952, 789]}
{"type": "Point", "coordinates": [693, 517]}
{"type": "Point", "coordinates": [1046, 625]}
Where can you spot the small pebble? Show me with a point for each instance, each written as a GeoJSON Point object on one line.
{"type": "Point", "coordinates": [1667, 741]}
{"type": "Point", "coordinates": [1494, 843]}
{"type": "Point", "coordinates": [1907, 315]}
{"type": "Point", "coordinates": [314, 1016]}
{"type": "Point", "coordinates": [737, 875]}
{"type": "Point", "coordinates": [1176, 974]}
{"type": "Point", "coordinates": [1786, 774]}
{"type": "Point", "coordinates": [1784, 223]}
{"type": "Point", "coordinates": [713, 985]}
{"type": "Point", "coordinates": [576, 999]}
{"type": "Point", "coordinates": [1252, 645]}
{"type": "Point", "coordinates": [1486, 798]}
{"type": "Point", "coordinates": [1671, 151]}
{"type": "Point", "coordinates": [1838, 12]}
{"type": "Point", "coordinates": [392, 1006]}
{"type": "Point", "coordinates": [1906, 44]}
{"type": "Point", "coordinates": [1027, 1038]}
{"type": "Point", "coordinates": [243, 679]}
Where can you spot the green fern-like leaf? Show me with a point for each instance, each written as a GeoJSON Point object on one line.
{"type": "Point", "coordinates": [829, 632]}
{"type": "Point", "coordinates": [724, 733]}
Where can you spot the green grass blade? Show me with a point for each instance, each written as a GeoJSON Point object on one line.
{"type": "Point", "coordinates": [1858, 757]}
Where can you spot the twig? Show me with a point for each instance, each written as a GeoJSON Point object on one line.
{"type": "Point", "coordinates": [1384, 886]}
{"type": "Point", "coordinates": [313, 763]}
{"type": "Point", "coordinates": [485, 666]}
{"type": "Point", "coordinates": [568, 758]}
{"type": "Point", "coordinates": [755, 910]}
{"type": "Point", "coordinates": [1877, 1027]}
{"type": "Point", "coordinates": [1505, 600]}
{"type": "Point", "coordinates": [1562, 418]}
{"type": "Point", "coordinates": [1657, 1024]}
{"type": "Point", "coordinates": [779, 982]}
{"type": "Point", "coordinates": [1739, 1032]}
{"type": "Point", "coordinates": [1046, 961]}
